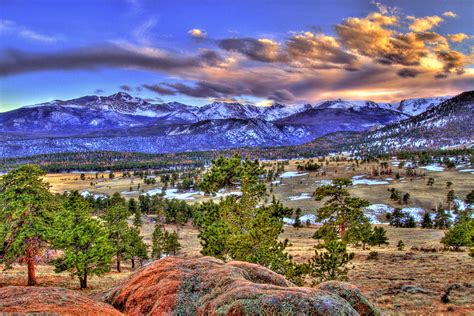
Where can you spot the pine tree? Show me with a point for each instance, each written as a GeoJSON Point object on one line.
{"type": "Point", "coordinates": [426, 221]}
{"type": "Point", "coordinates": [360, 230]}
{"type": "Point", "coordinates": [133, 209]}
{"type": "Point", "coordinates": [339, 207]}
{"type": "Point", "coordinates": [241, 229]}
{"type": "Point", "coordinates": [379, 237]}
{"type": "Point", "coordinates": [442, 219]}
{"type": "Point", "coordinates": [297, 223]}
{"type": "Point", "coordinates": [26, 216]}
{"type": "Point", "coordinates": [138, 249]}
{"type": "Point", "coordinates": [157, 242]}
{"type": "Point", "coordinates": [83, 240]}
{"type": "Point", "coordinates": [172, 245]}
{"type": "Point", "coordinates": [330, 264]}
{"type": "Point", "coordinates": [119, 233]}
{"type": "Point", "coordinates": [470, 198]}
{"type": "Point", "coordinates": [461, 234]}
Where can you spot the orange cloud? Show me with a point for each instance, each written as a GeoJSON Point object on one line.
{"type": "Point", "coordinates": [425, 24]}
{"type": "Point", "coordinates": [458, 37]}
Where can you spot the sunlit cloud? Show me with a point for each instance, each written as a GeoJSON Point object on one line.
{"type": "Point", "coordinates": [197, 33]}
{"type": "Point", "coordinates": [426, 23]}
{"type": "Point", "coordinates": [458, 37]}
{"type": "Point", "coordinates": [450, 14]}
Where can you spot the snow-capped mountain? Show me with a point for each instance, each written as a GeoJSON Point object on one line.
{"type": "Point", "coordinates": [417, 106]}
{"type": "Point", "coordinates": [448, 124]}
{"type": "Point", "coordinates": [125, 123]}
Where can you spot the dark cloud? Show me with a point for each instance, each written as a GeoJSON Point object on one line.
{"type": "Point", "coordinates": [159, 89]}
{"type": "Point", "coordinates": [125, 87]}
{"type": "Point", "coordinates": [282, 96]}
{"type": "Point", "coordinates": [99, 91]}
{"type": "Point", "coordinates": [203, 89]}
{"type": "Point", "coordinates": [408, 72]}
{"type": "Point", "coordinates": [15, 61]}
{"type": "Point", "coordinates": [255, 49]}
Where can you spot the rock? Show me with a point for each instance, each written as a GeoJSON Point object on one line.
{"type": "Point", "coordinates": [208, 286]}
{"type": "Point", "coordinates": [351, 294]}
{"type": "Point", "coordinates": [21, 300]}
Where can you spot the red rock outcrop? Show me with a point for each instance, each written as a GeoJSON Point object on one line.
{"type": "Point", "coordinates": [22, 300]}
{"type": "Point", "coordinates": [208, 286]}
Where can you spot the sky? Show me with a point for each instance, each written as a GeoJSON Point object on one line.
{"type": "Point", "coordinates": [255, 51]}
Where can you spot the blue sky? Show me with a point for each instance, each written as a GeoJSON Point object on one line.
{"type": "Point", "coordinates": [249, 51]}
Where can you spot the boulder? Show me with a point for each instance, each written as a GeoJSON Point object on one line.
{"type": "Point", "coordinates": [22, 300]}
{"type": "Point", "coordinates": [208, 286]}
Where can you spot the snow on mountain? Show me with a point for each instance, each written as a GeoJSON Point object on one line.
{"type": "Point", "coordinates": [417, 106]}
{"type": "Point", "coordinates": [121, 122]}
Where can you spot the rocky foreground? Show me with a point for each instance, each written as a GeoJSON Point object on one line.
{"type": "Point", "coordinates": [201, 286]}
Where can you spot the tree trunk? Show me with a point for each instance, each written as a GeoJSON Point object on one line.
{"type": "Point", "coordinates": [30, 261]}
{"type": "Point", "coordinates": [133, 262]}
{"type": "Point", "coordinates": [83, 281]}
{"type": "Point", "coordinates": [342, 229]}
{"type": "Point", "coordinates": [118, 263]}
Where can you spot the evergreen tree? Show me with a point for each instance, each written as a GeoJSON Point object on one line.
{"type": "Point", "coordinates": [137, 214]}
{"type": "Point", "coordinates": [410, 222]}
{"type": "Point", "coordinates": [360, 230]}
{"type": "Point", "coordinates": [119, 232]}
{"type": "Point", "coordinates": [26, 216]}
{"type": "Point", "coordinates": [297, 223]}
{"type": "Point", "coordinates": [461, 234]}
{"type": "Point", "coordinates": [326, 233]}
{"type": "Point", "coordinates": [379, 237]}
{"type": "Point", "coordinates": [450, 198]}
{"type": "Point", "coordinates": [138, 249]}
{"type": "Point", "coordinates": [339, 207]}
{"type": "Point", "coordinates": [83, 240]}
{"type": "Point", "coordinates": [171, 243]}
{"type": "Point", "coordinates": [330, 264]}
{"type": "Point", "coordinates": [397, 218]}
{"type": "Point", "coordinates": [426, 221]}
{"type": "Point", "coordinates": [157, 242]}
{"type": "Point", "coordinates": [442, 219]}
{"type": "Point", "coordinates": [238, 228]}
{"type": "Point", "coordinates": [470, 198]}
{"type": "Point", "coordinates": [406, 198]}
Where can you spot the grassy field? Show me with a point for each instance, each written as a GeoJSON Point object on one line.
{"type": "Point", "coordinates": [408, 281]}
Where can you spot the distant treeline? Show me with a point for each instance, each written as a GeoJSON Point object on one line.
{"type": "Point", "coordinates": [118, 161]}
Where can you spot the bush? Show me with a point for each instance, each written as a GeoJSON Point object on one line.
{"type": "Point", "coordinates": [373, 255]}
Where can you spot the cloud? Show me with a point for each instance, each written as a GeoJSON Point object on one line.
{"type": "Point", "coordinates": [408, 72]}
{"type": "Point", "coordinates": [159, 89]}
{"type": "Point", "coordinates": [311, 48]}
{"type": "Point", "coordinates": [263, 50]}
{"type": "Point", "coordinates": [99, 91]}
{"type": "Point", "coordinates": [125, 87]}
{"type": "Point", "coordinates": [425, 24]}
{"type": "Point", "coordinates": [106, 55]}
{"type": "Point", "coordinates": [458, 37]}
{"type": "Point", "coordinates": [197, 33]}
{"type": "Point", "coordinates": [450, 14]}
{"type": "Point", "coordinates": [369, 37]}
{"type": "Point", "coordinates": [10, 27]}
{"type": "Point", "coordinates": [141, 33]}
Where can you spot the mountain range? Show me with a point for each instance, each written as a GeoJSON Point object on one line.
{"type": "Point", "coordinates": [121, 122]}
